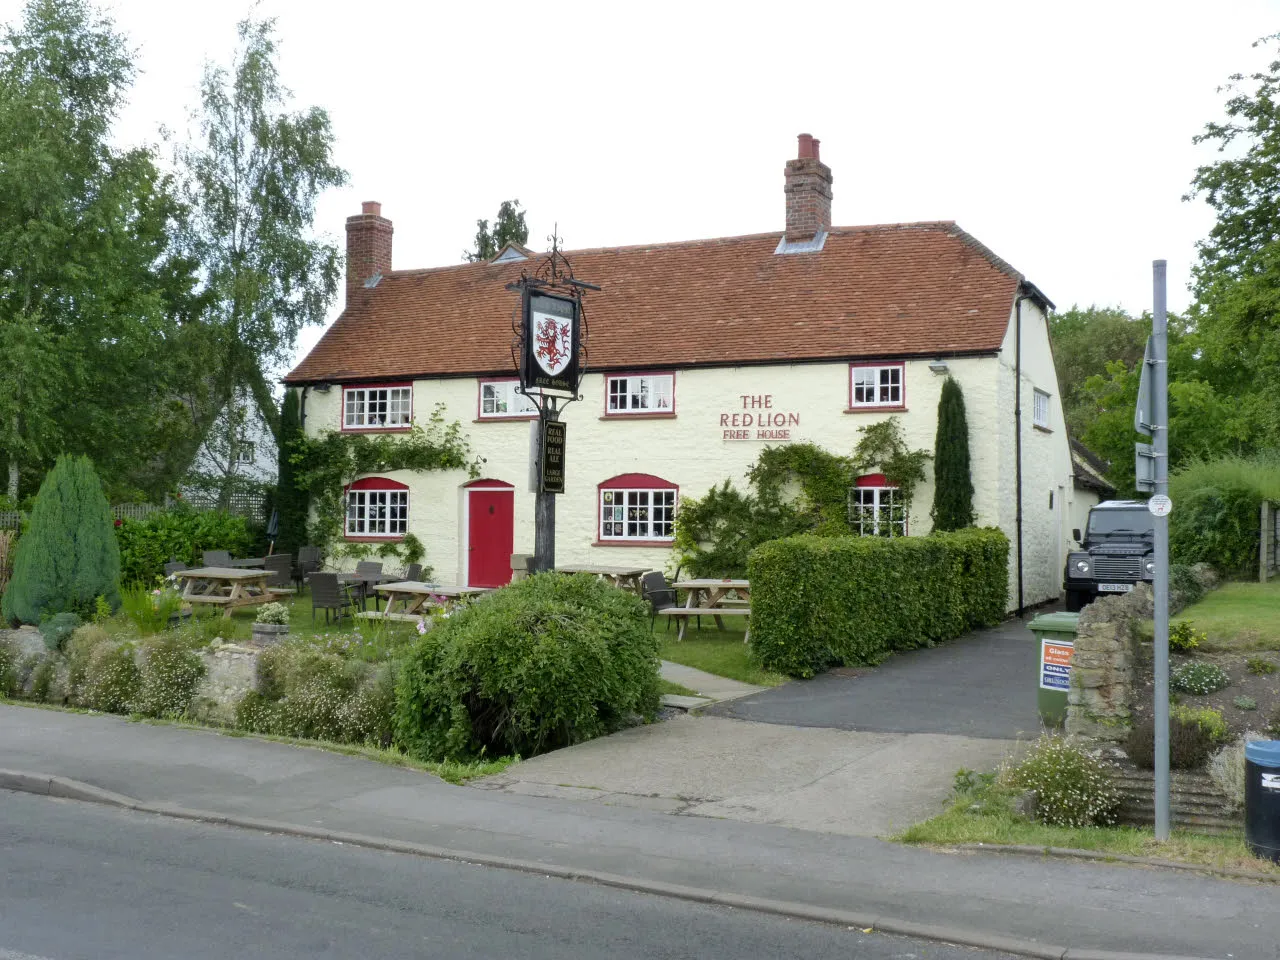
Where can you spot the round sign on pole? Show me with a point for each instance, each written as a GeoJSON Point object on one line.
{"type": "Point", "coordinates": [1160, 505]}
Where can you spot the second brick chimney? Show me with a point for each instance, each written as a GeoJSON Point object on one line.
{"type": "Point", "coordinates": [808, 193]}
{"type": "Point", "coordinates": [368, 246]}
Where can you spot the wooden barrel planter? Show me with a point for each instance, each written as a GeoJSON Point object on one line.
{"type": "Point", "coordinates": [269, 634]}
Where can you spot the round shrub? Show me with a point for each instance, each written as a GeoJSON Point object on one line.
{"type": "Point", "coordinates": [169, 676]}
{"type": "Point", "coordinates": [84, 640]}
{"type": "Point", "coordinates": [57, 629]}
{"type": "Point", "coordinates": [1072, 788]}
{"type": "Point", "coordinates": [1189, 744]}
{"type": "Point", "coordinates": [304, 692]}
{"type": "Point", "coordinates": [1183, 637]}
{"type": "Point", "coordinates": [1185, 587]}
{"type": "Point", "coordinates": [111, 678]}
{"type": "Point", "coordinates": [546, 662]}
{"type": "Point", "coordinates": [1199, 678]}
{"type": "Point", "coordinates": [273, 612]}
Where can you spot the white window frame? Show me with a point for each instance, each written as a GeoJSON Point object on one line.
{"type": "Point", "coordinates": [616, 504]}
{"type": "Point", "coordinates": [867, 512]}
{"type": "Point", "coordinates": [360, 520]}
{"type": "Point", "coordinates": [244, 452]}
{"type": "Point", "coordinates": [629, 395]}
{"type": "Point", "coordinates": [883, 378]}
{"type": "Point", "coordinates": [505, 393]}
{"type": "Point", "coordinates": [1040, 408]}
{"type": "Point", "coordinates": [396, 405]}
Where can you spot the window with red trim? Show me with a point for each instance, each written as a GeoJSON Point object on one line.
{"type": "Point", "coordinates": [377, 408]}
{"type": "Point", "coordinates": [636, 507]}
{"type": "Point", "coordinates": [377, 507]}
{"type": "Point", "coordinates": [876, 385]}
{"type": "Point", "coordinates": [875, 507]}
{"type": "Point", "coordinates": [500, 399]}
{"type": "Point", "coordinates": [640, 393]}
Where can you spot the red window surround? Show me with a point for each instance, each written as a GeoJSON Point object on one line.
{"type": "Point", "coordinates": [342, 407]}
{"type": "Point", "coordinates": [637, 482]}
{"type": "Point", "coordinates": [899, 407]}
{"type": "Point", "coordinates": [376, 484]}
{"type": "Point", "coordinates": [639, 414]}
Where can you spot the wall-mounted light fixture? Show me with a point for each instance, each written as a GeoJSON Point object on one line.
{"type": "Point", "coordinates": [322, 387]}
{"type": "Point", "coordinates": [939, 366]}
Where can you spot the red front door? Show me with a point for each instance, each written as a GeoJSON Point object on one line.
{"type": "Point", "coordinates": [490, 534]}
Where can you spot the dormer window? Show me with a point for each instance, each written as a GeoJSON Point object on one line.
{"type": "Point", "coordinates": [388, 407]}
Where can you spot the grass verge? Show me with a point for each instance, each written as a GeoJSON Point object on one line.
{"type": "Point", "coordinates": [721, 653]}
{"type": "Point", "coordinates": [666, 686]}
{"type": "Point", "coordinates": [984, 815]}
{"type": "Point", "coordinates": [1238, 617]}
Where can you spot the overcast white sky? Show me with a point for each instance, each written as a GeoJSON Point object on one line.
{"type": "Point", "coordinates": [1058, 134]}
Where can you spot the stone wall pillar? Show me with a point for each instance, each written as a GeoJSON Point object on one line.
{"type": "Point", "coordinates": [1103, 667]}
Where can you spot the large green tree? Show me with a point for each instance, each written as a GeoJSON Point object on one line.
{"type": "Point", "coordinates": [952, 480]}
{"type": "Point", "coordinates": [251, 178]}
{"type": "Point", "coordinates": [508, 227]}
{"type": "Point", "coordinates": [68, 556]}
{"type": "Point", "coordinates": [1085, 340]}
{"type": "Point", "coordinates": [1237, 276]}
{"type": "Point", "coordinates": [90, 296]}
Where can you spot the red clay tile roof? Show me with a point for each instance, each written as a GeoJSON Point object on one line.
{"type": "Point", "coordinates": [924, 289]}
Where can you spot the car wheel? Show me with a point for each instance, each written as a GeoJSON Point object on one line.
{"type": "Point", "coordinates": [1076, 601]}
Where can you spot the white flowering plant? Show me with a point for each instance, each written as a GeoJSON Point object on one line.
{"type": "Point", "coordinates": [276, 613]}
{"type": "Point", "coordinates": [1199, 678]}
{"type": "Point", "coordinates": [1072, 788]}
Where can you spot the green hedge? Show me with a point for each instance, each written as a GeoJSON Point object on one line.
{"type": "Point", "coordinates": [818, 601]}
{"type": "Point", "coordinates": [1219, 526]}
{"type": "Point", "coordinates": [546, 662]}
{"type": "Point", "coordinates": [179, 534]}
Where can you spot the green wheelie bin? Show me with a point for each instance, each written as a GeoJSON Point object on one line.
{"type": "Point", "coordinates": [1055, 635]}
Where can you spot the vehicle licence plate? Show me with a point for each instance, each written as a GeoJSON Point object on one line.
{"type": "Point", "coordinates": [1114, 587]}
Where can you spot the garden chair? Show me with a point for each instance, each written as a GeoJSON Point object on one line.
{"type": "Point", "coordinates": [280, 566]}
{"type": "Point", "coordinates": [413, 571]}
{"type": "Point", "coordinates": [327, 594]}
{"type": "Point", "coordinates": [174, 566]}
{"type": "Point", "coordinates": [365, 589]}
{"type": "Point", "coordinates": [308, 562]}
{"type": "Point", "coordinates": [217, 558]}
{"type": "Point", "coordinates": [659, 594]}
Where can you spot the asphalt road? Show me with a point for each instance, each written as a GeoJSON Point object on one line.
{"type": "Point", "coordinates": [980, 685]}
{"type": "Point", "coordinates": [80, 881]}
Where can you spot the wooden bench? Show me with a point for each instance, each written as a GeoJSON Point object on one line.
{"type": "Point", "coordinates": [684, 613]}
{"type": "Point", "coordinates": [399, 617]}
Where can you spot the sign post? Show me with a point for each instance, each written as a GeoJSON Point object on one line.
{"type": "Point", "coordinates": [549, 350]}
{"type": "Point", "coordinates": [1160, 506]}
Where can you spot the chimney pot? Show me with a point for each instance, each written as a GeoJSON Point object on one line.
{"type": "Point", "coordinates": [368, 247]}
{"type": "Point", "coordinates": [808, 193]}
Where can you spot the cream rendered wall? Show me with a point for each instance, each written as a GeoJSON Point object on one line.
{"type": "Point", "coordinates": [688, 450]}
{"type": "Point", "coordinates": [1046, 462]}
{"type": "Point", "coordinates": [1079, 514]}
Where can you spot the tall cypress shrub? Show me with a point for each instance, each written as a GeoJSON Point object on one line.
{"type": "Point", "coordinates": [68, 556]}
{"type": "Point", "coordinates": [291, 502]}
{"type": "Point", "coordinates": [952, 482]}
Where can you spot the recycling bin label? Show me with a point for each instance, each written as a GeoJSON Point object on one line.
{"type": "Point", "coordinates": [1055, 664]}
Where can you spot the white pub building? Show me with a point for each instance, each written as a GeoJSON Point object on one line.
{"type": "Point", "coordinates": [701, 353]}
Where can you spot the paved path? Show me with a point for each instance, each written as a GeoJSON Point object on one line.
{"type": "Point", "coordinates": [1082, 905]}
{"type": "Point", "coordinates": [981, 685]}
{"type": "Point", "coordinates": [707, 685]}
{"type": "Point", "coordinates": [838, 781]}
{"type": "Point", "coordinates": [86, 881]}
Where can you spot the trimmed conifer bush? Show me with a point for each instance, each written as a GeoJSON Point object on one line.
{"type": "Point", "coordinates": [952, 481]}
{"type": "Point", "coordinates": [68, 556]}
{"type": "Point", "coordinates": [291, 500]}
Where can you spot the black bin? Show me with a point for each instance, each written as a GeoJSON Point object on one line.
{"type": "Point", "coordinates": [1262, 798]}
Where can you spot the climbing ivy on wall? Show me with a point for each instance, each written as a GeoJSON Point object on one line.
{"type": "Point", "coordinates": [328, 463]}
{"type": "Point", "coordinates": [798, 488]}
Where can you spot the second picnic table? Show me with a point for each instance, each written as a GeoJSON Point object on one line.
{"type": "Point", "coordinates": [709, 597]}
{"type": "Point", "coordinates": [625, 578]}
{"type": "Point", "coordinates": [227, 587]}
{"type": "Point", "coordinates": [413, 595]}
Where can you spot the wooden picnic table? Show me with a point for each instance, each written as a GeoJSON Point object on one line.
{"type": "Point", "coordinates": [227, 587]}
{"type": "Point", "coordinates": [412, 595]}
{"type": "Point", "coordinates": [625, 578]}
{"type": "Point", "coordinates": [710, 597]}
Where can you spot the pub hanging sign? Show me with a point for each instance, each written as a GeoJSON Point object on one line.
{"type": "Point", "coordinates": [551, 343]}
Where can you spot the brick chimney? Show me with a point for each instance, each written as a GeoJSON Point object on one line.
{"type": "Point", "coordinates": [368, 246]}
{"type": "Point", "coordinates": [808, 192]}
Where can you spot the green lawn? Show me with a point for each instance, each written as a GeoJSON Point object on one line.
{"type": "Point", "coordinates": [992, 822]}
{"type": "Point", "coordinates": [666, 686]}
{"type": "Point", "coordinates": [721, 653]}
{"type": "Point", "coordinates": [1238, 617]}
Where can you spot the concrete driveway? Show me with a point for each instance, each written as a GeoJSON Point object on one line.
{"type": "Point", "coordinates": [981, 685]}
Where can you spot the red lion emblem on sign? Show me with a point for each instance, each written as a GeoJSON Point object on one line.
{"type": "Point", "coordinates": [553, 343]}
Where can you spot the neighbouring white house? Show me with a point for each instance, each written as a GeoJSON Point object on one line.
{"type": "Point", "coordinates": [701, 353]}
{"type": "Point", "coordinates": [238, 452]}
